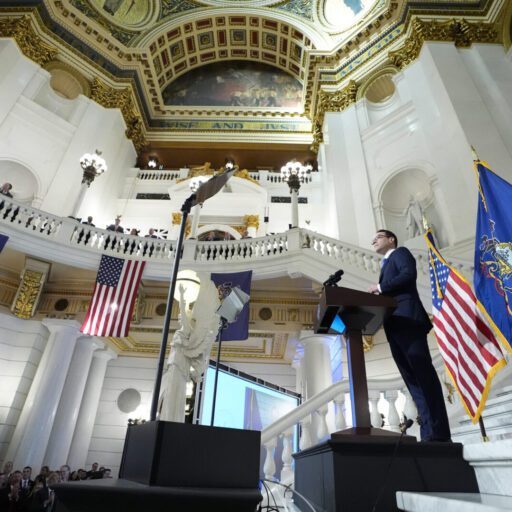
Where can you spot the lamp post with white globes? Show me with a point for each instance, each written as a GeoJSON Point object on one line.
{"type": "Point", "coordinates": [93, 165]}
{"type": "Point", "coordinates": [294, 173]}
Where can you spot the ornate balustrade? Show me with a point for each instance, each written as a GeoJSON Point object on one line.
{"type": "Point", "coordinates": [294, 252]}
{"type": "Point", "coordinates": [171, 175]}
{"type": "Point", "coordinates": [338, 395]}
{"type": "Point", "coordinates": [161, 174]}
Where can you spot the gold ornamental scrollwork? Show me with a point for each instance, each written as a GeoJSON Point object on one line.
{"type": "Point", "coordinates": [252, 221]}
{"type": "Point", "coordinates": [331, 102]}
{"type": "Point", "coordinates": [461, 32]}
{"type": "Point", "coordinates": [367, 343]}
{"type": "Point", "coordinates": [176, 218]}
{"type": "Point", "coordinates": [32, 46]}
{"type": "Point", "coordinates": [110, 97]}
{"type": "Point", "coordinates": [244, 174]}
{"type": "Point", "coordinates": [28, 293]}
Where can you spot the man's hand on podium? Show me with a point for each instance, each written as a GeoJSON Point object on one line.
{"type": "Point", "coordinates": [374, 288]}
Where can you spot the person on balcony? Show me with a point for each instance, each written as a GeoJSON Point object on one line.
{"type": "Point", "coordinates": [406, 330]}
{"type": "Point", "coordinates": [88, 222]}
{"type": "Point", "coordinates": [116, 226]}
{"type": "Point", "coordinates": [5, 190]}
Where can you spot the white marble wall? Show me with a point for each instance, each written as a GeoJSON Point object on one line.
{"type": "Point", "coordinates": [110, 425]}
{"type": "Point", "coordinates": [445, 101]}
{"type": "Point", "coordinates": [22, 343]}
{"type": "Point", "coordinates": [48, 134]}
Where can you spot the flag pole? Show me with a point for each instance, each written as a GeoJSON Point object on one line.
{"type": "Point", "coordinates": [483, 432]}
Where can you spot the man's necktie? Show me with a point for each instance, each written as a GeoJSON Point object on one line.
{"type": "Point", "coordinates": [383, 263]}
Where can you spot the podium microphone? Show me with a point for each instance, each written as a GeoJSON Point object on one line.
{"type": "Point", "coordinates": [334, 278]}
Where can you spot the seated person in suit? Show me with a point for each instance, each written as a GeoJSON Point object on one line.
{"type": "Point", "coordinates": [406, 330]}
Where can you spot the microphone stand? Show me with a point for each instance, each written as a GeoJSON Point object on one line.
{"type": "Point", "coordinates": [224, 324]}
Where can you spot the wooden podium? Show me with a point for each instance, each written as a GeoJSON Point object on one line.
{"type": "Point", "coordinates": [362, 313]}
{"type": "Point", "coordinates": [360, 469]}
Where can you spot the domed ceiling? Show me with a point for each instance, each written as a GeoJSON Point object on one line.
{"type": "Point", "coordinates": [227, 71]}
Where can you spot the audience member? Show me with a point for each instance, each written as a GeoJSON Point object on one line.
{"type": "Point", "coordinates": [151, 234]}
{"type": "Point", "coordinates": [45, 471]}
{"type": "Point", "coordinates": [26, 482]}
{"type": "Point", "coordinates": [89, 221]}
{"type": "Point", "coordinates": [7, 468]}
{"type": "Point", "coordinates": [5, 190]}
{"type": "Point", "coordinates": [94, 469]}
{"type": "Point", "coordinates": [64, 472]}
{"type": "Point", "coordinates": [38, 498]}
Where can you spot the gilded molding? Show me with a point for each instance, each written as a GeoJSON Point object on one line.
{"type": "Point", "coordinates": [176, 218]}
{"type": "Point", "coordinates": [336, 101]}
{"type": "Point", "coordinates": [244, 174]}
{"type": "Point", "coordinates": [461, 32]}
{"type": "Point", "coordinates": [252, 221]}
{"type": "Point", "coordinates": [32, 46]}
{"type": "Point", "coordinates": [28, 294]}
{"type": "Point", "coordinates": [110, 97]}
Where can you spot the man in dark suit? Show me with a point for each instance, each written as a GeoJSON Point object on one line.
{"type": "Point", "coordinates": [406, 330]}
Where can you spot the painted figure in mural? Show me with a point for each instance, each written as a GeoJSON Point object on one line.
{"type": "Point", "coordinates": [112, 6]}
{"type": "Point", "coordinates": [190, 347]}
{"type": "Point", "coordinates": [413, 218]}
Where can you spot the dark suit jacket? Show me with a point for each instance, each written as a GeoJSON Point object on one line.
{"type": "Point", "coordinates": [398, 280]}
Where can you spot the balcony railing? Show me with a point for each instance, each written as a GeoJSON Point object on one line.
{"type": "Point", "coordinates": [297, 251]}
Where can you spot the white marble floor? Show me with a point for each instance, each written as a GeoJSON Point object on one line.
{"type": "Point", "coordinates": [452, 502]}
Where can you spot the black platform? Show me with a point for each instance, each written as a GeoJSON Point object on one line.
{"type": "Point", "coordinates": [111, 495]}
{"type": "Point", "coordinates": [346, 475]}
{"type": "Point", "coordinates": [165, 453]}
{"type": "Point", "coordinates": [175, 467]}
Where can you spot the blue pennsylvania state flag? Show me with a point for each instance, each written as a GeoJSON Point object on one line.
{"type": "Point", "coordinates": [493, 251]}
{"type": "Point", "coordinates": [3, 241]}
{"type": "Point", "coordinates": [238, 330]}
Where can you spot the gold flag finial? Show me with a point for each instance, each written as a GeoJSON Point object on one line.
{"type": "Point", "coordinates": [475, 156]}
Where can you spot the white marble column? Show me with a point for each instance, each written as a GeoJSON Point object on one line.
{"type": "Point", "coordinates": [30, 438]}
{"type": "Point", "coordinates": [71, 398]}
{"type": "Point", "coordinates": [196, 214]}
{"type": "Point", "coordinates": [316, 371]}
{"type": "Point", "coordinates": [85, 422]}
{"type": "Point", "coordinates": [295, 208]}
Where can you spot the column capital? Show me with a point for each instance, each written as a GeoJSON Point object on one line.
{"type": "Point", "coordinates": [55, 325]}
{"type": "Point", "coordinates": [95, 342]}
{"type": "Point", "coordinates": [310, 337]}
{"type": "Point", "coordinates": [106, 354]}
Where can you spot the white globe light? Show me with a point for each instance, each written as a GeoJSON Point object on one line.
{"type": "Point", "coordinates": [190, 282]}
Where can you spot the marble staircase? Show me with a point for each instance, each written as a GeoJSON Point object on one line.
{"type": "Point", "coordinates": [492, 461]}
{"type": "Point", "coordinates": [497, 418]}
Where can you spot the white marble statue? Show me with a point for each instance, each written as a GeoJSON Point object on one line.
{"type": "Point", "coordinates": [413, 218]}
{"type": "Point", "coordinates": [190, 348]}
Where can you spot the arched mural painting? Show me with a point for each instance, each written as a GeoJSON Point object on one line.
{"type": "Point", "coordinates": [236, 84]}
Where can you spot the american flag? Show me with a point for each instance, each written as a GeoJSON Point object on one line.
{"type": "Point", "coordinates": [471, 353]}
{"type": "Point", "coordinates": [111, 307]}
